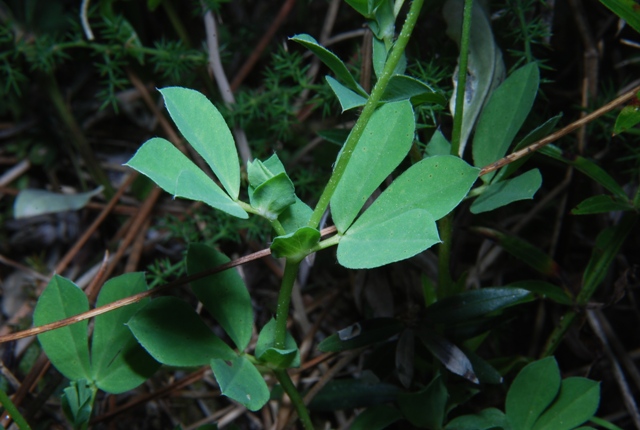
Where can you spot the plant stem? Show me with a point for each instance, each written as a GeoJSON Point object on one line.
{"type": "Point", "coordinates": [294, 395]}
{"type": "Point", "coordinates": [284, 298]}
{"type": "Point", "coordinates": [367, 112]}
{"type": "Point", "coordinates": [462, 78]}
{"type": "Point", "coordinates": [11, 410]}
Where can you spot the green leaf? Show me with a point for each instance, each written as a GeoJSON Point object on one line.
{"type": "Point", "coordinates": [385, 142]}
{"type": "Point", "coordinates": [204, 128]}
{"type": "Point", "coordinates": [502, 193]}
{"type": "Point", "coordinates": [503, 116]}
{"type": "Point", "coordinates": [67, 347]}
{"type": "Point", "coordinates": [486, 373]}
{"type": "Point", "coordinates": [223, 294]}
{"type": "Point", "coordinates": [625, 9]}
{"type": "Point", "coordinates": [486, 419]}
{"type": "Point", "coordinates": [471, 304]}
{"type": "Point", "coordinates": [30, 203]}
{"type": "Point", "coordinates": [295, 246]}
{"type": "Point", "coordinates": [118, 361]}
{"type": "Point", "coordinates": [366, 8]}
{"type": "Point", "coordinates": [258, 173]}
{"type": "Point", "coordinates": [485, 68]}
{"type": "Point", "coordinates": [448, 354]}
{"type": "Point", "coordinates": [171, 331]}
{"type": "Point", "coordinates": [628, 118]}
{"type": "Point", "coordinates": [426, 408]}
{"type": "Point", "coordinates": [402, 87]}
{"type": "Point", "coordinates": [373, 243]}
{"type": "Point", "coordinates": [77, 403]}
{"type": "Point", "coordinates": [278, 358]}
{"type": "Point", "coordinates": [273, 196]}
{"type": "Point", "coordinates": [522, 250]}
{"type": "Point", "coordinates": [176, 174]}
{"type": "Point", "coordinates": [353, 393]}
{"type": "Point", "coordinates": [361, 334]}
{"type": "Point", "coordinates": [348, 99]}
{"type": "Point", "coordinates": [377, 418]}
{"type": "Point", "coordinates": [438, 145]}
{"type": "Point", "coordinates": [546, 291]}
{"type": "Point", "coordinates": [602, 204]}
{"type": "Point", "coordinates": [531, 392]}
{"type": "Point", "coordinates": [331, 61]}
{"type": "Point", "coordinates": [241, 381]}
{"type": "Point", "coordinates": [577, 402]}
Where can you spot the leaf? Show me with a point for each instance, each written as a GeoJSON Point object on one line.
{"type": "Point", "coordinates": [504, 114]}
{"type": "Point", "coordinates": [485, 68]}
{"type": "Point", "coordinates": [67, 347]}
{"type": "Point", "coordinates": [361, 334]}
{"type": "Point", "coordinates": [438, 145]}
{"type": "Point", "coordinates": [385, 142]}
{"type": "Point", "coordinates": [118, 361]}
{"type": "Point", "coordinates": [531, 392]}
{"type": "Point", "coordinates": [366, 8]}
{"type": "Point", "coordinates": [577, 402]}
{"type": "Point", "coordinates": [278, 358]}
{"type": "Point", "coordinates": [522, 250]}
{"type": "Point", "coordinates": [204, 128]}
{"type": "Point", "coordinates": [486, 419]}
{"type": "Point", "coordinates": [378, 418]}
{"type": "Point", "coordinates": [240, 380]}
{"type": "Point", "coordinates": [486, 373]}
{"type": "Point", "coordinates": [295, 246]}
{"type": "Point", "coordinates": [30, 202]}
{"type": "Point", "coordinates": [449, 354]}
{"type": "Point", "coordinates": [348, 99]}
{"type": "Point", "coordinates": [602, 204]}
{"type": "Point", "coordinates": [273, 196]}
{"type": "Point", "coordinates": [77, 402]}
{"type": "Point", "coordinates": [402, 87]}
{"type": "Point", "coordinates": [331, 61]}
{"type": "Point", "coordinates": [176, 174]}
{"type": "Point", "coordinates": [471, 304]}
{"type": "Point", "coordinates": [546, 291]}
{"type": "Point", "coordinates": [629, 116]}
{"type": "Point", "coordinates": [625, 9]}
{"type": "Point", "coordinates": [502, 193]}
{"type": "Point", "coordinates": [174, 334]}
{"type": "Point", "coordinates": [353, 393]}
{"type": "Point", "coordinates": [223, 294]}
{"type": "Point", "coordinates": [426, 408]}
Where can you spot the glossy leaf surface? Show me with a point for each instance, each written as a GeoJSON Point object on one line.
{"type": "Point", "coordinates": [241, 381]}
{"type": "Point", "coordinates": [205, 129]}
{"type": "Point", "coordinates": [502, 193]}
{"type": "Point", "coordinates": [223, 294]}
{"type": "Point", "coordinates": [67, 347]}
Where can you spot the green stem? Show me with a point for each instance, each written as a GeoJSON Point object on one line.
{"type": "Point", "coordinates": [11, 410]}
{"type": "Point", "coordinates": [372, 102]}
{"type": "Point", "coordinates": [462, 77]}
{"type": "Point", "coordinates": [294, 395]}
{"type": "Point", "coordinates": [284, 298]}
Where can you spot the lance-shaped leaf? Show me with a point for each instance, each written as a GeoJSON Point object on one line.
{"type": "Point", "coordinates": [297, 245]}
{"type": "Point", "coordinates": [602, 204]}
{"type": "Point", "coordinates": [625, 9]}
{"type": "Point", "coordinates": [171, 331]}
{"type": "Point", "coordinates": [164, 164]}
{"type": "Point", "coordinates": [239, 380]}
{"type": "Point", "coordinates": [385, 142]}
{"type": "Point", "coordinates": [37, 202]}
{"type": "Point", "coordinates": [348, 99]}
{"type": "Point", "coordinates": [448, 354]}
{"type": "Point", "coordinates": [205, 129]}
{"type": "Point", "coordinates": [502, 193]}
{"type": "Point", "coordinates": [118, 361]}
{"type": "Point", "coordinates": [361, 334]}
{"type": "Point", "coordinates": [504, 114]}
{"type": "Point", "coordinates": [67, 347]}
{"type": "Point", "coordinates": [223, 294]}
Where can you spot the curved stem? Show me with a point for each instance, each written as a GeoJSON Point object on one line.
{"type": "Point", "coordinates": [294, 395]}
{"type": "Point", "coordinates": [367, 112]}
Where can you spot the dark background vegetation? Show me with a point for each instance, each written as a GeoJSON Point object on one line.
{"type": "Point", "coordinates": [70, 108]}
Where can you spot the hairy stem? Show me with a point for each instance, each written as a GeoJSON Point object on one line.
{"type": "Point", "coordinates": [367, 112]}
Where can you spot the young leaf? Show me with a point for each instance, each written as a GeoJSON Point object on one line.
{"type": "Point", "coordinates": [487, 419]}
{"type": "Point", "coordinates": [503, 116]}
{"type": "Point", "coordinates": [385, 142]}
{"type": "Point", "coordinates": [348, 99]}
{"type": "Point", "coordinates": [629, 116]}
{"type": "Point", "coordinates": [361, 334]}
{"type": "Point", "coordinates": [279, 358]}
{"type": "Point", "coordinates": [297, 245]}
{"type": "Point", "coordinates": [223, 294]}
{"type": "Point", "coordinates": [204, 128]}
{"type": "Point", "coordinates": [502, 193]}
{"type": "Point", "coordinates": [118, 361]}
{"type": "Point", "coordinates": [331, 61]}
{"type": "Point", "coordinates": [602, 204]}
{"type": "Point", "coordinates": [67, 347]}
{"type": "Point", "coordinates": [176, 174]}
{"type": "Point", "coordinates": [438, 145]}
{"type": "Point", "coordinates": [171, 331]}
{"type": "Point", "coordinates": [38, 202]}
{"type": "Point", "coordinates": [577, 402]}
{"type": "Point", "coordinates": [273, 196]}
{"type": "Point", "coordinates": [77, 403]}
{"type": "Point", "coordinates": [378, 418]}
{"type": "Point", "coordinates": [532, 392]}
{"type": "Point", "coordinates": [240, 380]}
{"type": "Point", "coordinates": [426, 408]}
{"type": "Point", "coordinates": [366, 8]}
